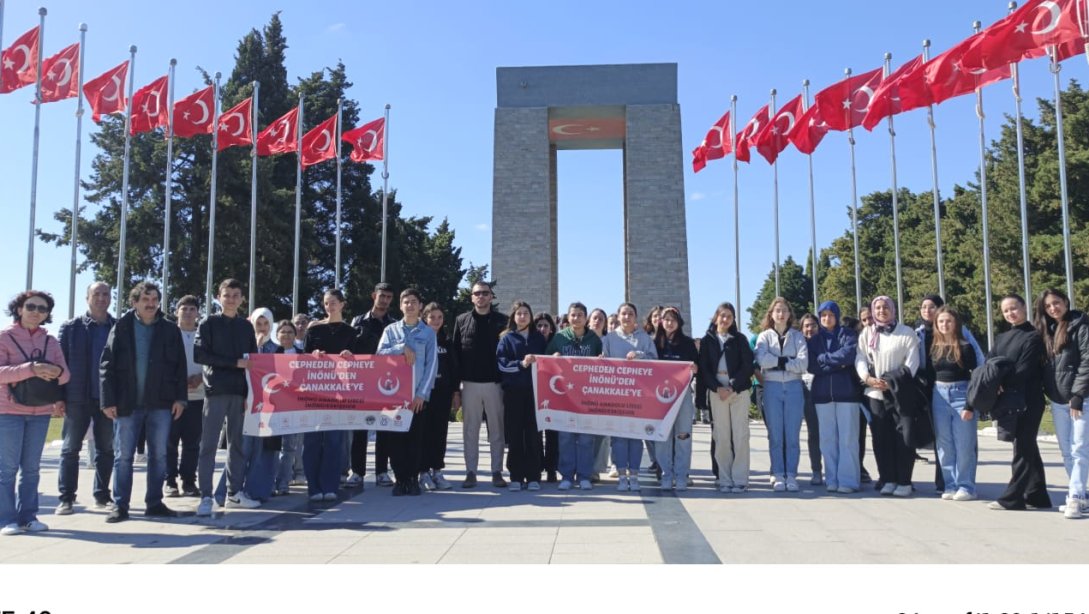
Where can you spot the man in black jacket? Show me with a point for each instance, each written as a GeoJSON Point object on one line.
{"type": "Point", "coordinates": [142, 375]}
{"type": "Point", "coordinates": [222, 343]}
{"type": "Point", "coordinates": [82, 339]}
{"type": "Point", "coordinates": [369, 328]}
{"type": "Point", "coordinates": [476, 336]}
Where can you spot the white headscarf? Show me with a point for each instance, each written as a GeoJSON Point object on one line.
{"type": "Point", "coordinates": [266, 313]}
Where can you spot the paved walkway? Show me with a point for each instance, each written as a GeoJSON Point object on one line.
{"type": "Point", "coordinates": [488, 525]}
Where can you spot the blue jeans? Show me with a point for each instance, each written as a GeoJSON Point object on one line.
{"type": "Point", "coordinates": [784, 406]}
{"type": "Point", "coordinates": [77, 418]}
{"type": "Point", "coordinates": [1073, 436]}
{"type": "Point", "coordinates": [323, 459]}
{"type": "Point", "coordinates": [675, 453]}
{"type": "Point", "coordinates": [260, 466]}
{"type": "Point", "coordinates": [955, 438]}
{"type": "Point", "coordinates": [290, 451]}
{"type": "Point", "coordinates": [576, 455]}
{"type": "Point", "coordinates": [627, 454]}
{"type": "Point", "coordinates": [21, 441]}
{"type": "Point", "coordinates": [839, 426]}
{"type": "Point", "coordinates": [126, 429]}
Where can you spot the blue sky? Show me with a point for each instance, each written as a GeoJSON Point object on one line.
{"type": "Point", "coordinates": [435, 62]}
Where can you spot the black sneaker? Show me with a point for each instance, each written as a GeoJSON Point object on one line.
{"type": "Point", "coordinates": [64, 508]}
{"type": "Point", "coordinates": [171, 489]}
{"type": "Point", "coordinates": [399, 489]}
{"type": "Point", "coordinates": [159, 510]}
{"type": "Point", "coordinates": [117, 514]}
{"type": "Point", "coordinates": [103, 504]}
{"type": "Point", "coordinates": [413, 487]}
{"type": "Point", "coordinates": [866, 479]}
{"type": "Point", "coordinates": [190, 490]}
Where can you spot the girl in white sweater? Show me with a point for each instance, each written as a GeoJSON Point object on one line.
{"type": "Point", "coordinates": [783, 358]}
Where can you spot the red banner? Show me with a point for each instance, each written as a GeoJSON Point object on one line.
{"type": "Point", "coordinates": [638, 399]}
{"type": "Point", "coordinates": [298, 393]}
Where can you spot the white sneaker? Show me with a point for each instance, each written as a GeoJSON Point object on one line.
{"type": "Point", "coordinates": [329, 496]}
{"type": "Point", "coordinates": [792, 485]}
{"type": "Point", "coordinates": [778, 486]}
{"type": "Point", "coordinates": [241, 500]}
{"type": "Point", "coordinates": [425, 481]}
{"type": "Point", "coordinates": [963, 495]}
{"type": "Point", "coordinates": [633, 483]}
{"type": "Point", "coordinates": [1073, 507]}
{"type": "Point", "coordinates": [440, 481]}
{"type": "Point", "coordinates": [534, 486]}
{"type": "Point", "coordinates": [514, 487]}
{"type": "Point", "coordinates": [903, 490]}
{"type": "Point", "coordinates": [354, 480]}
{"type": "Point", "coordinates": [613, 473]}
{"type": "Point", "coordinates": [845, 490]}
{"type": "Point", "coordinates": [585, 485]}
{"type": "Point", "coordinates": [12, 529]}
{"type": "Point", "coordinates": [564, 485]}
{"type": "Point", "coordinates": [622, 484]}
{"type": "Point", "coordinates": [317, 497]}
{"type": "Point", "coordinates": [140, 459]}
{"type": "Point", "coordinates": [205, 507]}
{"type": "Point", "coordinates": [948, 495]}
{"type": "Point", "coordinates": [35, 526]}
{"type": "Point", "coordinates": [725, 488]}
{"type": "Point", "coordinates": [888, 489]}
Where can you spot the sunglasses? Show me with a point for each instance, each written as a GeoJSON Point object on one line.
{"type": "Point", "coordinates": [31, 307]}
{"type": "Point", "coordinates": [481, 293]}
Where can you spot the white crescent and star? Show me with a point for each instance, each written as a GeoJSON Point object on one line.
{"type": "Point", "coordinates": [116, 80]}
{"type": "Point", "coordinates": [721, 137]}
{"type": "Point", "coordinates": [564, 129]}
{"type": "Point", "coordinates": [328, 140]}
{"type": "Point", "coordinates": [204, 112]}
{"type": "Point", "coordinates": [554, 382]}
{"type": "Point", "coordinates": [755, 127]}
{"type": "Point", "coordinates": [224, 124]}
{"type": "Point", "coordinates": [667, 395]}
{"type": "Point", "coordinates": [147, 104]}
{"type": "Point", "coordinates": [1054, 15]}
{"type": "Point", "coordinates": [284, 124]}
{"type": "Point", "coordinates": [374, 141]}
{"type": "Point", "coordinates": [790, 122]}
{"type": "Point", "coordinates": [67, 72]}
{"type": "Point", "coordinates": [869, 97]}
{"type": "Point", "coordinates": [26, 56]}
{"type": "Point", "coordinates": [389, 385]}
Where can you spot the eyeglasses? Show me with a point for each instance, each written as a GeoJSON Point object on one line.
{"type": "Point", "coordinates": [35, 307]}
{"type": "Point", "coordinates": [482, 293]}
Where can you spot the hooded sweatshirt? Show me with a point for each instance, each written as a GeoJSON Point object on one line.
{"type": "Point", "coordinates": [831, 361]}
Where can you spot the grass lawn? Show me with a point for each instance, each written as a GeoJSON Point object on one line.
{"type": "Point", "coordinates": [54, 430]}
{"type": "Point", "coordinates": [1047, 425]}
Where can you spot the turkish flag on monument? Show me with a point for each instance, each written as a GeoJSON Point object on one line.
{"type": "Point", "coordinates": [947, 79]}
{"type": "Point", "coordinates": [809, 130]}
{"type": "Point", "coordinates": [193, 114]}
{"type": "Point", "coordinates": [844, 104]}
{"type": "Point", "coordinates": [886, 98]}
{"type": "Point", "coordinates": [368, 141]}
{"type": "Point", "coordinates": [320, 144]}
{"type": "Point", "coordinates": [60, 75]}
{"type": "Point", "coordinates": [19, 62]}
{"type": "Point", "coordinates": [149, 107]}
{"type": "Point", "coordinates": [236, 127]}
{"type": "Point", "coordinates": [748, 133]}
{"type": "Point", "coordinates": [106, 92]}
{"type": "Point", "coordinates": [281, 136]}
{"type": "Point", "coordinates": [1026, 33]}
{"type": "Point", "coordinates": [772, 139]}
{"type": "Point", "coordinates": [715, 145]}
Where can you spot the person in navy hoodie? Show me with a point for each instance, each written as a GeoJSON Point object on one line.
{"type": "Point", "coordinates": [836, 393]}
{"type": "Point", "coordinates": [516, 353]}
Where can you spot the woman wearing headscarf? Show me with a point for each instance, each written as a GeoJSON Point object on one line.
{"type": "Point", "coordinates": [886, 348]}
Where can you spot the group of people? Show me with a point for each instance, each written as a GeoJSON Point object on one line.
{"type": "Point", "coordinates": [181, 384]}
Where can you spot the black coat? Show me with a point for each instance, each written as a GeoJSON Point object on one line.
{"type": "Point", "coordinates": [1023, 345]}
{"type": "Point", "coordinates": [166, 381]}
{"type": "Point", "coordinates": [221, 342]}
{"type": "Point", "coordinates": [739, 361]}
{"type": "Point", "coordinates": [75, 341]}
{"type": "Point", "coordinates": [474, 342]}
{"type": "Point", "coordinates": [1066, 374]}
{"type": "Point", "coordinates": [907, 396]}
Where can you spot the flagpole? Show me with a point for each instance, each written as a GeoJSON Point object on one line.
{"type": "Point", "coordinates": [169, 185]}
{"type": "Point", "coordinates": [212, 199]}
{"type": "Point", "coordinates": [120, 303]}
{"type": "Point", "coordinates": [775, 195]}
{"type": "Point", "coordinates": [298, 205]}
{"type": "Point", "coordinates": [253, 195]}
{"type": "Point", "coordinates": [812, 200]}
{"type": "Point", "coordinates": [1026, 263]}
{"type": "Point", "coordinates": [385, 190]}
{"type": "Point", "coordinates": [1065, 200]}
{"type": "Point", "coordinates": [939, 259]}
{"type": "Point", "coordinates": [340, 105]}
{"type": "Point", "coordinates": [34, 154]}
{"type": "Point", "coordinates": [983, 211]}
{"type": "Point", "coordinates": [895, 202]}
{"type": "Point", "coordinates": [737, 230]}
{"type": "Point", "coordinates": [2, 39]}
{"type": "Point", "coordinates": [854, 202]}
{"type": "Point", "coordinates": [75, 195]}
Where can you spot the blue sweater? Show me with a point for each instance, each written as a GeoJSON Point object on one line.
{"type": "Point", "coordinates": [510, 352]}
{"type": "Point", "coordinates": [422, 341]}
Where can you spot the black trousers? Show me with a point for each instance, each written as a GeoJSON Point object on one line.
{"type": "Point", "coordinates": [404, 450]}
{"type": "Point", "coordinates": [359, 452]}
{"type": "Point", "coordinates": [1027, 484]}
{"type": "Point", "coordinates": [813, 432]}
{"type": "Point", "coordinates": [550, 456]}
{"type": "Point", "coordinates": [523, 439]}
{"type": "Point", "coordinates": [185, 430]}
{"type": "Point", "coordinates": [892, 443]}
{"type": "Point", "coordinates": [77, 419]}
{"type": "Point", "coordinates": [435, 417]}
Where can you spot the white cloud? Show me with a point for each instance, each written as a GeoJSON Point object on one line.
{"type": "Point", "coordinates": [481, 227]}
{"type": "Point", "coordinates": [697, 196]}
{"type": "Point", "coordinates": [336, 27]}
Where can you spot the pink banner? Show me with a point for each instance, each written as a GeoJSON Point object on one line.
{"type": "Point", "coordinates": [298, 393]}
{"type": "Point", "coordinates": [638, 399]}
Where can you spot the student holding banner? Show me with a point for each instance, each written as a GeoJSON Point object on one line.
{"type": "Point", "coordinates": [576, 449]}
{"type": "Point", "coordinates": [518, 347]}
{"type": "Point", "coordinates": [631, 343]}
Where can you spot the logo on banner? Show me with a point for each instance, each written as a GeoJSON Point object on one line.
{"type": "Point", "coordinates": [389, 385]}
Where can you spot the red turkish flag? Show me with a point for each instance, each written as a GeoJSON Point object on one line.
{"type": "Point", "coordinates": [886, 98]}
{"type": "Point", "coordinates": [748, 134]}
{"type": "Point", "coordinates": [19, 62]}
{"type": "Point", "coordinates": [106, 92]}
{"type": "Point", "coordinates": [715, 145]}
{"type": "Point", "coordinates": [281, 136]}
{"type": "Point", "coordinates": [367, 140]}
{"type": "Point", "coordinates": [947, 79]}
{"type": "Point", "coordinates": [149, 106]}
{"type": "Point", "coordinates": [809, 130]}
{"type": "Point", "coordinates": [236, 127]}
{"type": "Point", "coordinates": [844, 104]}
{"type": "Point", "coordinates": [1026, 33]}
{"type": "Point", "coordinates": [60, 75]}
{"type": "Point", "coordinates": [320, 144]}
{"type": "Point", "coordinates": [772, 138]}
{"type": "Point", "coordinates": [193, 114]}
